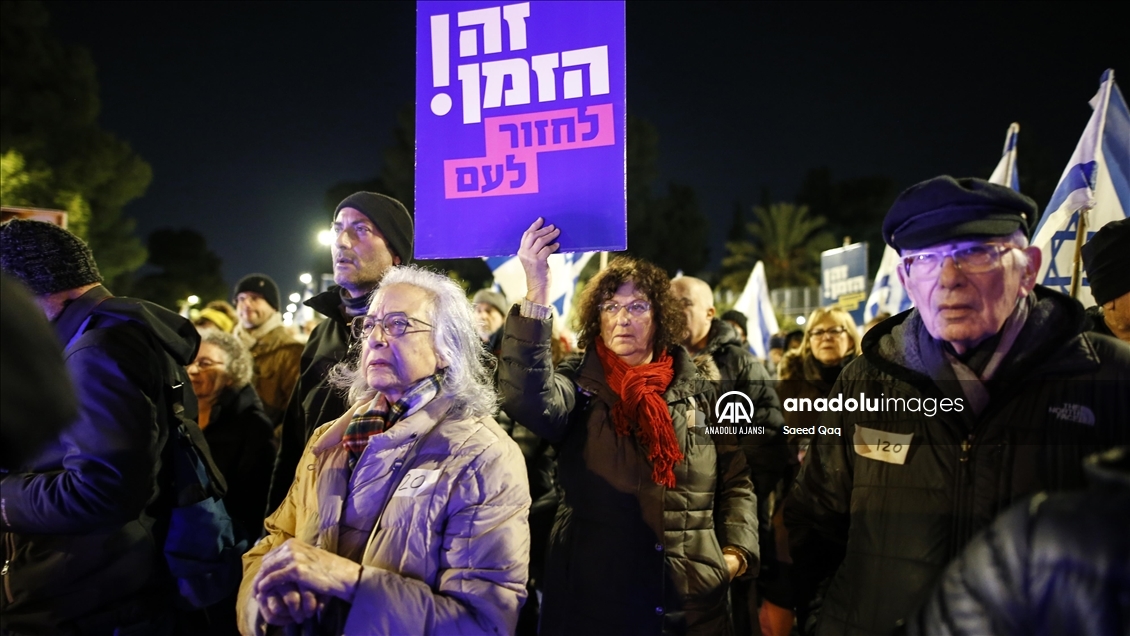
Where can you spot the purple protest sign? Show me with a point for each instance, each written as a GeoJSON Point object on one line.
{"type": "Point", "coordinates": [519, 113]}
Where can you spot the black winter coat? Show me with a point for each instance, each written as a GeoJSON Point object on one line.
{"type": "Point", "coordinates": [83, 522]}
{"type": "Point", "coordinates": [628, 556]}
{"type": "Point", "coordinates": [242, 441]}
{"type": "Point", "coordinates": [767, 453]}
{"type": "Point", "coordinates": [1052, 564]}
{"type": "Point", "coordinates": [314, 402]}
{"type": "Point", "coordinates": [1061, 394]}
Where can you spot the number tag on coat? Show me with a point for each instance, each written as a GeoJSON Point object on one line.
{"type": "Point", "coordinates": [881, 445]}
{"type": "Point", "coordinates": [417, 482]}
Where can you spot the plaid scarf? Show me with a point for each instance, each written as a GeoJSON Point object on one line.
{"type": "Point", "coordinates": [383, 416]}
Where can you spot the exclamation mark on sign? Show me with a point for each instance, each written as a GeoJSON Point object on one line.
{"type": "Point", "coordinates": [441, 65]}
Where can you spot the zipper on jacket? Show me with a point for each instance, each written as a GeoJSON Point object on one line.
{"type": "Point", "coordinates": [9, 554]}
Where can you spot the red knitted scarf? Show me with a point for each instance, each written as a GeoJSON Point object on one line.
{"type": "Point", "coordinates": [641, 402]}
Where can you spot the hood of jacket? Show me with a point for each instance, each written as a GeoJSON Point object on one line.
{"type": "Point", "coordinates": [174, 332]}
{"type": "Point", "coordinates": [327, 303]}
{"type": "Point", "coordinates": [720, 335]}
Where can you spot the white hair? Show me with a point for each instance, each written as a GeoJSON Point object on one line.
{"type": "Point", "coordinates": [1019, 239]}
{"type": "Point", "coordinates": [467, 380]}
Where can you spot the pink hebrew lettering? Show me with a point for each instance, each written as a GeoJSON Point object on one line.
{"type": "Point", "coordinates": [513, 144]}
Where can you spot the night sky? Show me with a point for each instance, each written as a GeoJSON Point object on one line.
{"type": "Point", "coordinates": [248, 113]}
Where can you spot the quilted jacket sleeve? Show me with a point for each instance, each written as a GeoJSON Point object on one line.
{"type": "Point", "coordinates": [532, 393]}
{"type": "Point", "coordinates": [483, 567]}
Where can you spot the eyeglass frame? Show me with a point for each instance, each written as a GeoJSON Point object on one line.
{"type": "Point", "coordinates": [211, 363]}
{"type": "Point", "coordinates": [612, 308]}
{"type": "Point", "coordinates": [832, 332]}
{"type": "Point", "coordinates": [1000, 248]}
{"type": "Point", "coordinates": [357, 325]}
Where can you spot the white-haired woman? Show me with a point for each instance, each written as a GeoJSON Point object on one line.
{"type": "Point", "coordinates": [239, 433]}
{"type": "Point", "coordinates": [408, 514]}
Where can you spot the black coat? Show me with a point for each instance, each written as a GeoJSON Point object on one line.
{"type": "Point", "coordinates": [314, 402]}
{"type": "Point", "coordinates": [83, 521]}
{"type": "Point", "coordinates": [242, 442]}
{"type": "Point", "coordinates": [1060, 395]}
{"type": "Point", "coordinates": [767, 453]}
{"type": "Point", "coordinates": [1052, 564]}
{"type": "Point", "coordinates": [628, 556]}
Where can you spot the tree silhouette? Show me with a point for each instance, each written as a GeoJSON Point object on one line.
{"type": "Point", "coordinates": [788, 239]}
{"type": "Point", "coordinates": [49, 100]}
{"type": "Point", "coordinates": [854, 208]}
{"type": "Point", "coordinates": [669, 230]}
{"type": "Point", "coordinates": [186, 266]}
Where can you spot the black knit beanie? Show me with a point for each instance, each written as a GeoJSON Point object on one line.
{"type": "Point", "coordinates": [259, 284]}
{"type": "Point", "coordinates": [45, 257]}
{"type": "Point", "coordinates": [389, 215]}
{"type": "Point", "coordinates": [1106, 257]}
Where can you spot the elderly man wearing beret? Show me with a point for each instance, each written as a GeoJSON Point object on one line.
{"type": "Point", "coordinates": [988, 391]}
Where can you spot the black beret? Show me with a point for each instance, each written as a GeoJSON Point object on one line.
{"type": "Point", "coordinates": [944, 209]}
{"type": "Point", "coordinates": [1106, 257]}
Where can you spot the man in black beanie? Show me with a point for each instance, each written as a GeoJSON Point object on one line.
{"type": "Point", "coordinates": [1106, 258]}
{"type": "Point", "coordinates": [988, 391]}
{"type": "Point", "coordinates": [372, 232]}
{"type": "Point", "coordinates": [276, 354]}
{"type": "Point", "coordinates": [84, 515]}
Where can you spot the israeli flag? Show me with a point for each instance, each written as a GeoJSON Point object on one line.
{"type": "Point", "coordinates": [887, 293]}
{"type": "Point", "coordinates": [754, 303]}
{"type": "Point", "coordinates": [564, 270]}
{"type": "Point", "coordinates": [1096, 179]}
{"type": "Point", "coordinates": [1006, 173]}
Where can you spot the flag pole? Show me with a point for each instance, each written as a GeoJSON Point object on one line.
{"type": "Point", "coordinates": [603, 260]}
{"type": "Point", "coordinates": [1077, 261]}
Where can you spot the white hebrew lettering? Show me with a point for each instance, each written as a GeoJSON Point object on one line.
{"type": "Point", "coordinates": [491, 21]}
{"type": "Point", "coordinates": [441, 71]}
{"type": "Point", "coordinates": [597, 60]}
{"type": "Point", "coordinates": [469, 77]}
{"type": "Point", "coordinates": [547, 82]}
{"type": "Point", "coordinates": [515, 16]}
{"type": "Point", "coordinates": [495, 72]}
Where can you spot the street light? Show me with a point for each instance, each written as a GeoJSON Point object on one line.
{"type": "Point", "coordinates": [800, 320]}
{"type": "Point", "coordinates": [305, 279]}
{"type": "Point", "coordinates": [327, 237]}
{"type": "Point", "coordinates": [193, 300]}
{"type": "Point", "coordinates": [295, 297]}
{"type": "Point", "coordinates": [291, 308]}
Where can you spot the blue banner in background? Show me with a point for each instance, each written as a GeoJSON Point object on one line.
{"type": "Point", "coordinates": [843, 279]}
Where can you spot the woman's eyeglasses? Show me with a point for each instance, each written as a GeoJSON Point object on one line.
{"type": "Point", "coordinates": [392, 325]}
{"type": "Point", "coordinates": [635, 308]}
{"type": "Point", "coordinates": [826, 333]}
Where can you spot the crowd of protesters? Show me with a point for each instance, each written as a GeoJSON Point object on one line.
{"type": "Point", "coordinates": [429, 463]}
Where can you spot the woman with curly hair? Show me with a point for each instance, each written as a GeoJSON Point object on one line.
{"type": "Point", "coordinates": [655, 519]}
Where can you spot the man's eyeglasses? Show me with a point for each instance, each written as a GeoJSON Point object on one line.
{"type": "Point", "coordinates": [635, 308]}
{"type": "Point", "coordinates": [975, 259]}
{"type": "Point", "coordinates": [392, 325]}
{"type": "Point", "coordinates": [829, 333]}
